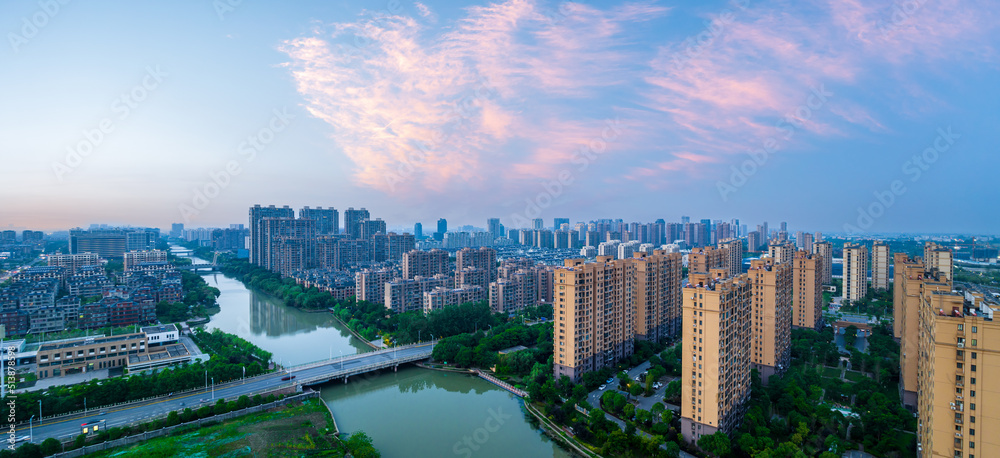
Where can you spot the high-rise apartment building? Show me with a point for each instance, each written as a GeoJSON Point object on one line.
{"type": "Point", "coordinates": [327, 219]}
{"type": "Point", "coordinates": [908, 283]}
{"type": "Point", "coordinates": [704, 259]}
{"type": "Point", "coordinates": [880, 266]}
{"type": "Point", "coordinates": [289, 244]}
{"type": "Point", "coordinates": [771, 286]}
{"type": "Point", "coordinates": [442, 229]}
{"type": "Point", "coordinates": [482, 259]}
{"type": "Point", "coordinates": [418, 231]}
{"type": "Point", "coordinates": [351, 219]}
{"type": "Point", "coordinates": [593, 316]}
{"type": "Point", "coordinates": [557, 224]}
{"type": "Point", "coordinates": [940, 258]}
{"type": "Point", "coordinates": [601, 307]}
{"type": "Point", "coordinates": [959, 354]}
{"type": "Point", "coordinates": [716, 365]}
{"type": "Point", "coordinates": [781, 252]}
{"type": "Point", "coordinates": [656, 294]}
{"type": "Point", "coordinates": [407, 295]}
{"type": "Point", "coordinates": [494, 227]}
{"type": "Point", "coordinates": [370, 284]}
{"type": "Point", "coordinates": [257, 240]}
{"type": "Point", "coordinates": [391, 246]}
{"type": "Point", "coordinates": [425, 263]}
{"type": "Point", "coordinates": [369, 227]}
{"type": "Point", "coordinates": [112, 243]}
{"type": "Point", "coordinates": [855, 271]}
{"type": "Point", "coordinates": [824, 250]}
{"type": "Point", "coordinates": [807, 290]}
{"type": "Point", "coordinates": [733, 263]}
{"type": "Point", "coordinates": [134, 258]}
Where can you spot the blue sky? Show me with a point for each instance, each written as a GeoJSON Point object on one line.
{"type": "Point", "coordinates": [633, 110]}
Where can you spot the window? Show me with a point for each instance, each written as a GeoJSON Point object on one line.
{"type": "Point", "coordinates": [973, 355]}
{"type": "Point", "coordinates": [973, 368]}
{"type": "Point", "coordinates": [975, 329]}
{"type": "Point", "coordinates": [972, 393]}
{"type": "Point", "coordinates": [972, 406]}
{"type": "Point", "coordinates": [973, 342]}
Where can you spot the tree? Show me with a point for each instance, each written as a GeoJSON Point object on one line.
{"type": "Point", "coordinates": [629, 411]}
{"type": "Point", "coordinates": [673, 450]}
{"type": "Point", "coordinates": [717, 444]}
{"type": "Point", "coordinates": [28, 450]}
{"type": "Point", "coordinates": [360, 445]}
{"type": "Point", "coordinates": [850, 335]}
{"type": "Point", "coordinates": [80, 441]}
{"type": "Point", "coordinates": [51, 446]}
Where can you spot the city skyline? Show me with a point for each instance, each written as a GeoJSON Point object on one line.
{"type": "Point", "coordinates": [629, 113]}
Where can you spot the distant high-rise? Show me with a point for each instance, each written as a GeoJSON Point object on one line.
{"type": "Point", "coordinates": [537, 223]}
{"type": "Point", "coordinates": [418, 230]}
{"type": "Point", "coordinates": [418, 263]}
{"type": "Point", "coordinates": [177, 230]}
{"type": "Point", "coordinates": [685, 219]}
{"type": "Point", "coordinates": [112, 243]}
{"type": "Point", "coordinates": [288, 244]}
{"type": "Point", "coordinates": [824, 250]}
{"type": "Point", "coordinates": [718, 317]}
{"type": "Point", "coordinates": [782, 252]}
{"type": "Point", "coordinates": [482, 260]}
{"type": "Point", "coordinates": [442, 228]}
{"type": "Point", "coordinates": [855, 271]}
{"type": "Point", "coordinates": [369, 227]}
{"type": "Point", "coordinates": [880, 266]}
{"type": "Point", "coordinates": [733, 263]}
{"type": "Point", "coordinates": [706, 232]}
{"type": "Point", "coordinates": [351, 219]}
{"type": "Point", "coordinates": [784, 226]}
{"type": "Point", "coordinates": [494, 227]}
{"type": "Point", "coordinates": [937, 257]}
{"type": "Point", "coordinates": [327, 219]}
{"type": "Point", "coordinates": [557, 224]}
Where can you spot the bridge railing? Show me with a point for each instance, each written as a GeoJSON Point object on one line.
{"type": "Point", "coordinates": [337, 373]}
{"type": "Point", "coordinates": [355, 356]}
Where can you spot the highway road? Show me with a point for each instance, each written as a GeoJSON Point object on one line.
{"type": "Point", "coordinates": [139, 412]}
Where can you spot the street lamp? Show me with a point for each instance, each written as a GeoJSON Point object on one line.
{"type": "Point", "coordinates": [39, 411]}
{"type": "Point", "coordinates": [31, 428]}
{"type": "Point", "coordinates": [213, 388]}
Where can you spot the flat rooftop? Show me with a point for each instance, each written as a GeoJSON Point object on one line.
{"type": "Point", "coordinates": [158, 329]}
{"type": "Point", "coordinates": [82, 341]}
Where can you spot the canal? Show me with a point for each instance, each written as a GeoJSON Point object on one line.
{"type": "Point", "coordinates": [412, 412]}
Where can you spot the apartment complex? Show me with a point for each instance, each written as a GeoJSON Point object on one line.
{"type": "Point", "coordinates": [807, 290]}
{"type": "Point", "coordinates": [134, 258]}
{"type": "Point", "coordinates": [771, 290]}
{"type": "Point", "coordinates": [327, 219]}
{"type": "Point", "coordinates": [74, 262]}
{"type": "Point", "coordinates": [520, 283]}
{"type": "Point", "coordinates": [880, 266]}
{"type": "Point", "coordinates": [781, 251]}
{"type": "Point", "coordinates": [855, 271]}
{"type": "Point", "coordinates": [601, 307]}
{"type": "Point", "coordinates": [734, 250]}
{"type": "Point", "coordinates": [257, 239]}
{"type": "Point", "coordinates": [478, 264]}
{"type": "Point", "coordinates": [718, 332]}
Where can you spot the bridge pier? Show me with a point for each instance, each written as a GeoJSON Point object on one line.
{"type": "Point", "coordinates": [394, 368]}
{"type": "Point", "coordinates": [345, 379]}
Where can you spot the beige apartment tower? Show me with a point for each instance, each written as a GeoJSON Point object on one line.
{"type": "Point", "coordinates": [940, 258]}
{"type": "Point", "coordinates": [958, 368]}
{"type": "Point", "coordinates": [601, 307]}
{"type": "Point", "coordinates": [855, 271]}
{"type": "Point", "coordinates": [733, 249]}
{"type": "Point", "coordinates": [807, 290]}
{"type": "Point", "coordinates": [771, 287]}
{"type": "Point", "coordinates": [593, 318]}
{"type": "Point", "coordinates": [824, 250]}
{"type": "Point", "coordinates": [781, 252]}
{"type": "Point", "coordinates": [716, 365]}
{"type": "Point", "coordinates": [703, 259]}
{"type": "Point", "coordinates": [880, 266]}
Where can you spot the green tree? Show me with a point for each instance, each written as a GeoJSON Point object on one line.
{"type": "Point", "coordinates": [28, 450]}
{"type": "Point", "coordinates": [850, 335]}
{"type": "Point", "coordinates": [360, 445]}
{"type": "Point", "coordinates": [717, 444]}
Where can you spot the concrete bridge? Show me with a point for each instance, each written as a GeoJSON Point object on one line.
{"type": "Point", "coordinates": [347, 366]}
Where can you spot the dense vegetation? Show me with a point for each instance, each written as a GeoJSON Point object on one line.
{"type": "Point", "coordinates": [877, 303]}
{"type": "Point", "coordinates": [989, 277]}
{"type": "Point", "coordinates": [229, 355]}
{"type": "Point", "coordinates": [479, 350]}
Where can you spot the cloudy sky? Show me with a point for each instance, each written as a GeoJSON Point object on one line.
{"type": "Point", "coordinates": [876, 114]}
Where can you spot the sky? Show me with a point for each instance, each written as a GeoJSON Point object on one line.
{"type": "Point", "coordinates": [840, 115]}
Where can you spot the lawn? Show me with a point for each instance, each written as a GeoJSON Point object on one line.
{"type": "Point", "coordinates": [291, 430]}
{"type": "Point", "coordinates": [831, 372]}
{"type": "Point", "coordinates": [855, 376]}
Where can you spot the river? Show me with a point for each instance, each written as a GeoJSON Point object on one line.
{"type": "Point", "coordinates": [410, 413]}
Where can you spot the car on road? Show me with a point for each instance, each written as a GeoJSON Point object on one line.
{"type": "Point", "coordinates": [182, 403]}
{"type": "Point", "coordinates": [22, 439]}
{"type": "Point", "coordinates": [203, 400]}
{"type": "Point", "coordinates": [602, 387]}
{"type": "Point", "coordinates": [610, 380]}
{"type": "Point", "coordinates": [287, 378]}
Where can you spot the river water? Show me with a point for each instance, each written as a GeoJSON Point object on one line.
{"type": "Point", "coordinates": [410, 413]}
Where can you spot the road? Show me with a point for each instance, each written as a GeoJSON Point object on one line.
{"type": "Point", "coordinates": [69, 426]}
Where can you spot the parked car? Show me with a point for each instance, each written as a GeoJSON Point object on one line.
{"type": "Point", "coordinates": [602, 387]}
{"type": "Point", "coordinates": [610, 380]}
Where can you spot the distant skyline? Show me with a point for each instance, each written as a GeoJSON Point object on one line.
{"type": "Point", "coordinates": [426, 110]}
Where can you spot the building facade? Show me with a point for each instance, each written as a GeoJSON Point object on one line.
{"type": "Point", "coordinates": [855, 271]}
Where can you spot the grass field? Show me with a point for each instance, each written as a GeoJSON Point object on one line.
{"type": "Point", "coordinates": [855, 376]}
{"type": "Point", "coordinates": [292, 430]}
{"type": "Point", "coordinates": [831, 372]}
